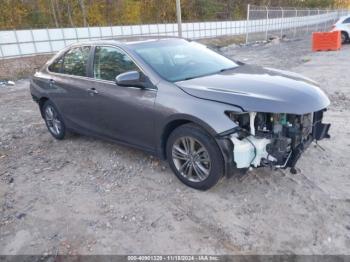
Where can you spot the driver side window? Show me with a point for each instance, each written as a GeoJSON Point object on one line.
{"type": "Point", "coordinates": [110, 62]}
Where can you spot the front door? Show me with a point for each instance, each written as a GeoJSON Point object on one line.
{"type": "Point", "coordinates": [118, 112]}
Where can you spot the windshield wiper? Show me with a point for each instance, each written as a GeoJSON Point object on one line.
{"type": "Point", "coordinates": [189, 78]}
{"type": "Point", "coordinates": [227, 69]}
{"type": "Point", "coordinates": [222, 70]}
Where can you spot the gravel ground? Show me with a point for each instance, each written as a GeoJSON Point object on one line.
{"type": "Point", "coordinates": [87, 196]}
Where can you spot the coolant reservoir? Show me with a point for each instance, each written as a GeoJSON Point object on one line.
{"type": "Point", "coordinates": [249, 151]}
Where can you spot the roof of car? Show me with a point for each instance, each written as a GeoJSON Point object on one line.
{"type": "Point", "coordinates": [128, 40]}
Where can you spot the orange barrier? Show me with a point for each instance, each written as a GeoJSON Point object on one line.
{"type": "Point", "coordinates": [326, 41]}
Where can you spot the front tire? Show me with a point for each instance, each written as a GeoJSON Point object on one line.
{"type": "Point", "coordinates": [53, 120]}
{"type": "Point", "coordinates": [195, 157]}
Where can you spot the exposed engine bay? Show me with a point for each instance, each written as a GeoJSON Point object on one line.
{"type": "Point", "coordinates": [276, 140]}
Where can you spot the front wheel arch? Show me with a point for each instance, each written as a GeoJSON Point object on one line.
{"type": "Point", "coordinates": [174, 123]}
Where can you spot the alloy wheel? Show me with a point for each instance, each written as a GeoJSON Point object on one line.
{"type": "Point", "coordinates": [53, 122]}
{"type": "Point", "coordinates": [191, 159]}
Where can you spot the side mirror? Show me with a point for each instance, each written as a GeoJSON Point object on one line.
{"type": "Point", "coordinates": [130, 78]}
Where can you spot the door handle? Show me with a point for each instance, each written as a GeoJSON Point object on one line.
{"type": "Point", "coordinates": [92, 91]}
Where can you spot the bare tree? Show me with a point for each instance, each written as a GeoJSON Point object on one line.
{"type": "Point", "coordinates": [54, 13]}
{"type": "Point", "coordinates": [83, 10]}
{"type": "Point", "coordinates": [70, 14]}
{"type": "Point", "coordinates": [59, 18]}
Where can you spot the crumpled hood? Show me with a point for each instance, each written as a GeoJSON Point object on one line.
{"type": "Point", "coordinates": [257, 89]}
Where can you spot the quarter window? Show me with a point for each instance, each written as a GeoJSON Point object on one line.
{"type": "Point", "coordinates": [110, 62]}
{"type": "Point", "coordinates": [75, 61]}
{"type": "Point", "coordinates": [56, 66]}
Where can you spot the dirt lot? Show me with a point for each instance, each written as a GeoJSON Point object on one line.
{"type": "Point", "coordinates": [87, 196]}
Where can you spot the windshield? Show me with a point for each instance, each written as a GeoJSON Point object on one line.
{"type": "Point", "coordinates": [179, 60]}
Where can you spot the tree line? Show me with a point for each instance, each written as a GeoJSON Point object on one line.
{"type": "Point", "coordinates": [18, 14]}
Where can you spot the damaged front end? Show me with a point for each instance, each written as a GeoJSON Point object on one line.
{"type": "Point", "coordinates": [274, 140]}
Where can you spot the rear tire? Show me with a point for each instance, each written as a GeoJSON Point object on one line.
{"type": "Point", "coordinates": [195, 157]}
{"type": "Point", "coordinates": [53, 120]}
{"type": "Point", "coordinates": [344, 37]}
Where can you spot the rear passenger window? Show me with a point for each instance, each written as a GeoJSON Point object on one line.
{"type": "Point", "coordinates": [75, 61]}
{"type": "Point", "coordinates": [56, 66]}
{"type": "Point", "coordinates": [110, 62]}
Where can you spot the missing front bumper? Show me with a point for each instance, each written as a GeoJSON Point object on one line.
{"type": "Point", "coordinates": [274, 151]}
{"type": "Point", "coordinates": [255, 154]}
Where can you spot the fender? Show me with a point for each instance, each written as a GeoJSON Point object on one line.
{"type": "Point", "coordinates": [177, 120]}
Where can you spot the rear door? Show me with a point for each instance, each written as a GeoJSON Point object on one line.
{"type": "Point", "coordinates": [72, 88]}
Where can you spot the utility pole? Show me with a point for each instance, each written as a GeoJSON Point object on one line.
{"type": "Point", "coordinates": [178, 15]}
{"type": "Point", "coordinates": [247, 25]}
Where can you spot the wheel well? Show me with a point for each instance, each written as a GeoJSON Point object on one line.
{"type": "Point", "coordinates": [170, 127]}
{"type": "Point", "coordinates": [41, 103]}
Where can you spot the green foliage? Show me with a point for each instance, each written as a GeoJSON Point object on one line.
{"type": "Point", "coordinates": [67, 13]}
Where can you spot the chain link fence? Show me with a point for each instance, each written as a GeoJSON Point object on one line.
{"type": "Point", "coordinates": [261, 24]}
{"type": "Point", "coordinates": [264, 23]}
